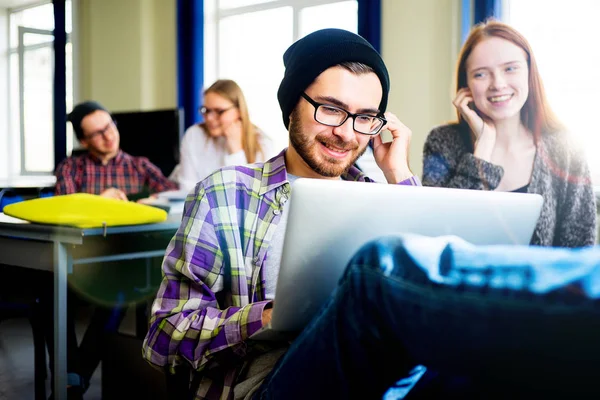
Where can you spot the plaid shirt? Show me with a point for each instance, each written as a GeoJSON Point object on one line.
{"type": "Point", "coordinates": [86, 174]}
{"type": "Point", "coordinates": [213, 291]}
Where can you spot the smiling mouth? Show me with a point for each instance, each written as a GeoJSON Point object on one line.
{"type": "Point", "coordinates": [335, 149]}
{"type": "Point", "coordinates": [500, 99]}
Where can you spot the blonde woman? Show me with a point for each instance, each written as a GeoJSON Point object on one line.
{"type": "Point", "coordinates": [226, 137]}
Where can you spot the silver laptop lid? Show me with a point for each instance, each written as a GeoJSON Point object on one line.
{"type": "Point", "coordinates": [330, 220]}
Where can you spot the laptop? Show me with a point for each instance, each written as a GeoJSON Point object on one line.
{"type": "Point", "coordinates": [329, 221]}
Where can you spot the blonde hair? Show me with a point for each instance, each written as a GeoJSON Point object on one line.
{"type": "Point", "coordinates": [231, 91]}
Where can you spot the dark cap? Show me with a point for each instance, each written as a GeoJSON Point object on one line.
{"type": "Point", "coordinates": [80, 111]}
{"type": "Point", "coordinates": [308, 57]}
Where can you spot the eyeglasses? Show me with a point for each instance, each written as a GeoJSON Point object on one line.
{"type": "Point", "coordinates": [217, 111]}
{"type": "Point", "coordinates": [335, 116]}
{"type": "Point", "coordinates": [101, 132]}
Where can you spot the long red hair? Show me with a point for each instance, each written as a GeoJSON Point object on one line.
{"type": "Point", "coordinates": [536, 113]}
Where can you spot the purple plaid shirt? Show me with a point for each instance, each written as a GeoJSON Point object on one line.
{"type": "Point", "coordinates": [212, 295]}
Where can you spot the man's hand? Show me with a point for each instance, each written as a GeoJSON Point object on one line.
{"type": "Point", "coordinates": [148, 200]}
{"type": "Point", "coordinates": [392, 157]}
{"type": "Point", "coordinates": [114, 193]}
{"type": "Point", "coordinates": [266, 316]}
{"type": "Point", "coordinates": [233, 134]}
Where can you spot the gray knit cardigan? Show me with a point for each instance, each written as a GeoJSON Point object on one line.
{"type": "Point", "coordinates": [560, 174]}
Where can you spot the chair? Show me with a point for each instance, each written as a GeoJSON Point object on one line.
{"type": "Point", "coordinates": [46, 192]}
{"type": "Point", "coordinates": [9, 309]}
{"type": "Point", "coordinates": [8, 196]}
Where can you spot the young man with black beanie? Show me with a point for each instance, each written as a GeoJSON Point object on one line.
{"type": "Point", "coordinates": [220, 269]}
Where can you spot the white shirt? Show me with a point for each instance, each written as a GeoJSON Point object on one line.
{"type": "Point", "coordinates": [201, 154]}
{"type": "Point", "coordinates": [369, 167]}
{"type": "Point", "coordinates": [275, 251]}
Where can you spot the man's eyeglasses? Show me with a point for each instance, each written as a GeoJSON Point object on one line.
{"type": "Point", "coordinates": [335, 116]}
{"type": "Point", "coordinates": [217, 111]}
{"type": "Point", "coordinates": [101, 132]}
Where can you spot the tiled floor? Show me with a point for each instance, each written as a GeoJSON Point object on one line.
{"type": "Point", "coordinates": [16, 360]}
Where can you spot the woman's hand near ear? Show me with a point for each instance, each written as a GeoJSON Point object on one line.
{"type": "Point", "coordinates": [233, 134]}
{"type": "Point", "coordinates": [483, 128]}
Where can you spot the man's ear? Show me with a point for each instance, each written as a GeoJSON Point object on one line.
{"type": "Point", "coordinates": [84, 143]}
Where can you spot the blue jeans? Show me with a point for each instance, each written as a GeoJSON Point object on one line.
{"type": "Point", "coordinates": [489, 322]}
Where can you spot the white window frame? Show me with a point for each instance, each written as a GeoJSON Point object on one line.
{"type": "Point", "coordinates": [213, 16]}
{"type": "Point", "coordinates": [18, 146]}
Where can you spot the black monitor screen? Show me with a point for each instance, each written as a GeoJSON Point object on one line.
{"type": "Point", "coordinates": [152, 134]}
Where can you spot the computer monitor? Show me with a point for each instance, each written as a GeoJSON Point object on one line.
{"type": "Point", "coordinates": [154, 134]}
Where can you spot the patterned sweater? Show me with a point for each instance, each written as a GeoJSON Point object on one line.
{"type": "Point", "coordinates": [560, 174]}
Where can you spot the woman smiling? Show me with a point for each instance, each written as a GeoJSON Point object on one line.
{"type": "Point", "coordinates": [226, 137]}
{"type": "Point", "coordinates": [508, 139]}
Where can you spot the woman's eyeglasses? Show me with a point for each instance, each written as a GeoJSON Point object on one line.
{"type": "Point", "coordinates": [216, 111]}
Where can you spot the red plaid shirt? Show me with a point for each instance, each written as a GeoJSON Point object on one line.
{"type": "Point", "coordinates": [86, 174]}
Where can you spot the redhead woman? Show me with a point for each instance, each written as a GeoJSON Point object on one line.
{"type": "Point", "coordinates": [507, 138]}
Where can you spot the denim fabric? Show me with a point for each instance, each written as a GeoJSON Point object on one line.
{"type": "Point", "coordinates": [402, 388]}
{"type": "Point", "coordinates": [487, 322]}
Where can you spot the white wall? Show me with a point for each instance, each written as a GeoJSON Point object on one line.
{"type": "Point", "coordinates": [420, 44]}
{"type": "Point", "coordinates": [127, 53]}
{"type": "Point", "coordinates": [126, 59]}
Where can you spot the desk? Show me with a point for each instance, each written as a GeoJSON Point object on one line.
{"type": "Point", "coordinates": [58, 248]}
{"type": "Point", "coordinates": [45, 181]}
{"type": "Point", "coordinates": [28, 182]}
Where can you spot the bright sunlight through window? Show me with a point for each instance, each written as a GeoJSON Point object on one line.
{"type": "Point", "coordinates": [251, 37]}
{"type": "Point", "coordinates": [564, 40]}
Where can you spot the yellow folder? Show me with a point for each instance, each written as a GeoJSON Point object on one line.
{"type": "Point", "coordinates": [84, 210]}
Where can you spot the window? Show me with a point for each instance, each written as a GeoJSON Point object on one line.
{"type": "Point", "coordinates": [245, 41]}
{"type": "Point", "coordinates": [562, 38]}
{"type": "Point", "coordinates": [31, 71]}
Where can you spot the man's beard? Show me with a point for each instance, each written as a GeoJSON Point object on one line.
{"type": "Point", "coordinates": [328, 166]}
{"type": "Point", "coordinates": [102, 152]}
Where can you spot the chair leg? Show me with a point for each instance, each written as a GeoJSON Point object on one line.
{"type": "Point", "coordinates": [39, 350]}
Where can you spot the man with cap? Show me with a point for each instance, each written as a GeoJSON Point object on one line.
{"type": "Point", "coordinates": [105, 169]}
{"type": "Point", "coordinates": [109, 172]}
{"type": "Point", "coordinates": [219, 273]}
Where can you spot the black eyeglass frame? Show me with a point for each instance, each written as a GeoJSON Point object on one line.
{"type": "Point", "coordinates": [218, 111]}
{"type": "Point", "coordinates": [101, 132]}
{"type": "Point", "coordinates": [316, 105]}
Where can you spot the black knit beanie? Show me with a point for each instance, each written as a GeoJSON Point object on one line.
{"type": "Point", "coordinates": [308, 57]}
{"type": "Point", "coordinates": [80, 111]}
